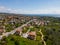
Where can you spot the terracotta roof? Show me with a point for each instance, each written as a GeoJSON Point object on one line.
{"type": "Point", "coordinates": [1, 30]}
{"type": "Point", "coordinates": [32, 33]}
{"type": "Point", "coordinates": [18, 30]}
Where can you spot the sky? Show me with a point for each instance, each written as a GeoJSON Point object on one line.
{"type": "Point", "coordinates": [30, 6]}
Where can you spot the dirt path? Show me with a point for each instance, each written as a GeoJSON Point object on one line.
{"type": "Point", "coordinates": [42, 37]}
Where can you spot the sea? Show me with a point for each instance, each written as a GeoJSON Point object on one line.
{"type": "Point", "coordinates": [50, 15]}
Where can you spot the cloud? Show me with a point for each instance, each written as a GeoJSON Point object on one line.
{"type": "Point", "coordinates": [21, 11]}
{"type": "Point", "coordinates": [2, 8]}
{"type": "Point", "coordinates": [43, 11]}
{"type": "Point", "coordinates": [8, 10]}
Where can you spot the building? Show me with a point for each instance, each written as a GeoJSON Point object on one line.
{"type": "Point", "coordinates": [2, 30]}
{"type": "Point", "coordinates": [32, 35]}
{"type": "Point", "coordinates": [18, 32]}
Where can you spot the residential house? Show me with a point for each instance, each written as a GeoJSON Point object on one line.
{"type": "Point", "coordinates": [18, 32]}
{"type": "Point", "coordinates": [32, 35]}
{"type": "Point", "coordinates": [2, 30]}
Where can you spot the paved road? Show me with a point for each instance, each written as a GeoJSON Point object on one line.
{"type": "Point", "coordinates": [13, 31]}
{"type": "Point", "coordinates": [42, 38]}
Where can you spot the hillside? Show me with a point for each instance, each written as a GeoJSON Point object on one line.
{"type": "Point", "coordinates": [29, 30]}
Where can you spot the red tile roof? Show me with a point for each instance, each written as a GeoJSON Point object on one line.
{"type": "Point", "coordinates": [32, 33]}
